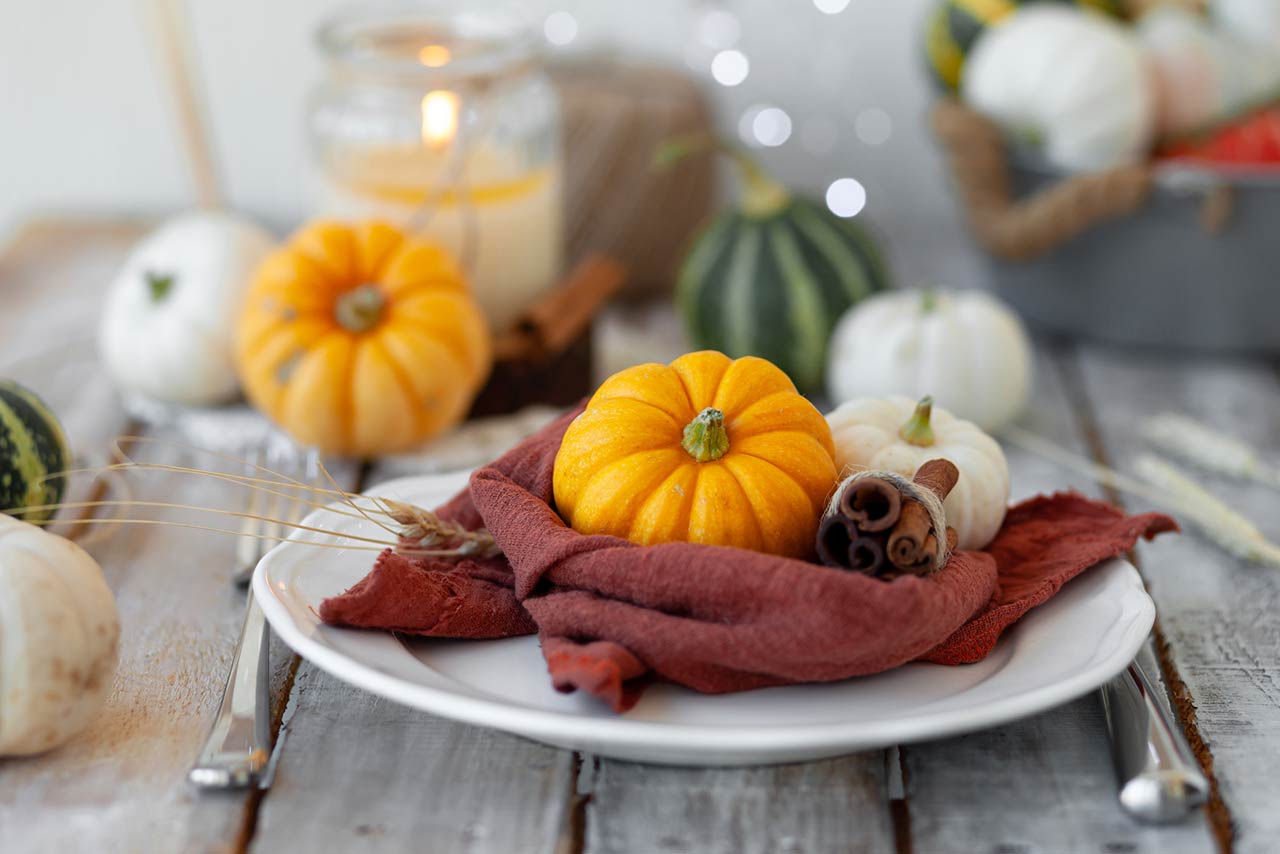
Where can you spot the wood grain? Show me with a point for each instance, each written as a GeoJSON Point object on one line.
{"type": "Point", "coordinates": [835, 805]}
{"type": "Point", "coordinates": [122, 783]}
{"type": "Point", "coordinates": [1221, 617]}
{"type": "Point", "coordinates": [359, 772]}
{"type": "Point", "coordinates": [53, 277]}
{"type": "Point", "coordinates": [362, 773]}
{"type": "Point", "coordinates": [1045, 783]}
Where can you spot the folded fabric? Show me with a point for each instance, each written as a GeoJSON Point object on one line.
{"type": "Point", "coordinates": [612, 614]}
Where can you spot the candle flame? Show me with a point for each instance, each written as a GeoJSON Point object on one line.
{"type": "Point", "coordinates": [439, 117]}
{"type": "Point", "coordinates": [434, 55]}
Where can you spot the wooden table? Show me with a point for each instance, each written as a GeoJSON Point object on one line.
{"type": "Point", "coordinates": [360, 773]}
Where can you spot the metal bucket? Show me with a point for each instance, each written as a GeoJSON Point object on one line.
{"type": "Point", "coordinates": [1158, 278]}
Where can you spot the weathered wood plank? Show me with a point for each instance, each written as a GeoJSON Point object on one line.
{"type": "Point", "coordinates": [122, 783]}
{"type": "Point", "coordinates": [836, 805]}
{"type": "Point", "coordinates": [52, 280]}
{"type": "Point", "coordinates": [359, 772]}
{"type": "Point", "coordinates": [53, 277]}
{"type": "Point", "coordinates": [1045, 783]}
{"type": "Point", "coordinates": [1221, 618]}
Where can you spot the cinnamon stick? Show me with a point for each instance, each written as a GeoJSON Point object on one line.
{"type": "Point", "coordinates": [835, 534]}
{"type": "Point", "coordinates": [912, 542]}
{"type": "Point", "coordinates": [873, 504]}
{"type": "Point", "coordinates": [563, 313]}
{"type": "Point", "coordinates": [866, 554]}
{"type": "Point", "coordinates": [842, 545]}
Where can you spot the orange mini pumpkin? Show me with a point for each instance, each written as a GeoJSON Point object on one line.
{"type": "Point", "coordinates": [704, 450]}
{"type": "Point", "coordinates": [359, 340]}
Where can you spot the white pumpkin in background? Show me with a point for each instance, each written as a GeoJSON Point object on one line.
{"type": "Point", "coordinates": [1072, 82]}
{"type": "Point", "coordinates": [1203, 75]}
{"type": "Point", "coordinates": [900, 435]}
{"type": "Point", "coordinates": [58, 638]}
{"type": "Point", "coordinates": [1256, 21]}
{"type": "Point", "coordinates": [168, 325]}
{"type": "Point", "coordinates": [965, 348]}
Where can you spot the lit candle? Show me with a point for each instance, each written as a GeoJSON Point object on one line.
{"type": "Point", "coordinates": [494, 213]}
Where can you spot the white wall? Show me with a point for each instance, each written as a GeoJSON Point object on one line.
{"type": "Point", "coordinates": [87, 120]}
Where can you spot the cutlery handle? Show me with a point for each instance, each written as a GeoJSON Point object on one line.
{"type": "Point", "coordinates": [239, 745]}
{"type": "Point", "coordinates": [1160, 780]}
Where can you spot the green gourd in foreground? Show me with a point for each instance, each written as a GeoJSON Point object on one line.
{"type": "Point", "coordinates": [32, 446]}
{"type": "Point", "coordinates": [771, 276]}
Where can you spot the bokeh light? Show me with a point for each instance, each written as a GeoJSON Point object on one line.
{"type": "Point", "coordinates": [434, 55]}
{"type": "Point", "coordinates": [873, 126]}
{"type": "Point", "coordinates": [771, 127]}
{"type": "Point", "coordinates": [730, 67]}
{"type": "Point", "coordinates": [846, 197]}
{"type": "Point", "coordinates": [560, 28]}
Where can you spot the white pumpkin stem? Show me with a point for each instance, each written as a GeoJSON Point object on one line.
{"type": "Point", "coordinates": [928, 301]}
{"type": "Point", "coordinates": [918, 431]}
{"type": "Point", "coordinates": [705, 437]}
{"type": "Point", "coordinates": [159, 285]}
{"type": "Point", "coordinates": [762, 195]}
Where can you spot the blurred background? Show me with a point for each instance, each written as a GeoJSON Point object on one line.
{"type": "Point", "coordinates": [97, 113]}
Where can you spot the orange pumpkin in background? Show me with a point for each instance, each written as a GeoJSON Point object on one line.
{"type": "Point", "coordinates": [706, 450]}
{"type": "Point", "coordinates": [359, 341]}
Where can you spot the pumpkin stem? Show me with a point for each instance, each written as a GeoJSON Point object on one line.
{"type": "Point", "coordinates": [761, 195]}
{"type": "Point", "coordinates": [359, 310]}
{"type": "Point", "coordinates": [928, 301]}
{"type": "Point", "coordinates": [918, 430]}
{"type": "Point", "coordinates": [705, 437]}
{"type": "Point", "coordinates": [159, 284]}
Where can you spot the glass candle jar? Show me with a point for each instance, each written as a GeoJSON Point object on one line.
{"type": "Point", "coordinates": [447, 126]}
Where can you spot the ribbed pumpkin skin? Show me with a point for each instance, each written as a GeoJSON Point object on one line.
{"type": "Point", "coordinates": [409, 376]}
{"type": "Point", "coordinates": [621, 469]}
{"type": "Point", "coordinates": [32, 445]}
{"type": "Point", "coordinates": [954, 25]}
{"type": "Point", "coordinates": [774, 286]}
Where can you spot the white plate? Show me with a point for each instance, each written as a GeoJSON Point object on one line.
{"type": "Point", "coordinates": [1061, 650]}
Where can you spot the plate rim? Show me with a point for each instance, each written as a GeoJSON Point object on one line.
{"type": "Point", "coordinates": [760, 741]}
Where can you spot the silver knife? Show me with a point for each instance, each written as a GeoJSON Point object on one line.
{"type": "Point", "coordinates": [1159, 777]}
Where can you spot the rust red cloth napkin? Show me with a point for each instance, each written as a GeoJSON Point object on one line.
{"type": "Point", "coordinates": [611, 613]}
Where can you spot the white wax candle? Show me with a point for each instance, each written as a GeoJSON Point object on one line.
{"type": "Point", "coordinates": [514, 217]}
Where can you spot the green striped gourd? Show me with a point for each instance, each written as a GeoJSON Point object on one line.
{"type": "Point", "coordinates": [954, 25]}
{"type": "Point", "coordinates": [772, 276]}
{"type": "Point", "coordinates": [32, 445]}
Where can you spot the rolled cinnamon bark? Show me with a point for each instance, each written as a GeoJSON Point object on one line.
{"type": "Point", "coordinates": [841, 545]}
{"type": "Point", "coordinates": [924, 564]}
{"type": "Point", "coordinates": [872, 504]}
{"type": "Point", "coordinates": [912, 543]}
{"type": "Point", "coordinates": [835, 534]}
{"type": "Point", "coordinates": [866, 554]}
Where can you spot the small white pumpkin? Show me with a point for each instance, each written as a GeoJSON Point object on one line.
{"type": "Point", "coordinates": [1256, 21]}
{"type": "Point", "coordinates": [169, 322]}
{"type": "Point", "coordinates": [1202, 75]}
{"type": "Point", "coordinates": [897, 434]}
{"type": "Point", "coordinates": [58, 639]}
{"type": "Point", "coordinates": [966, 348]}
{"type": "Point", "coordinates": [1073, 82]}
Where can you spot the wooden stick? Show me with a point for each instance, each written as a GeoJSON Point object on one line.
{"type": "Point", "coordinates": [172, 38]}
